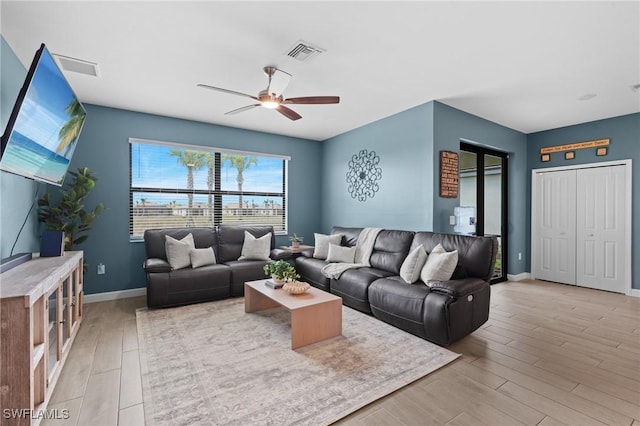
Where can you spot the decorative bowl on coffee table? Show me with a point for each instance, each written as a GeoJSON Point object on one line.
{"type": "Point", "coordinates": [296, 287]}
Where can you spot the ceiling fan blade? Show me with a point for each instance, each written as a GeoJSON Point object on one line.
{"type": "Point", "coordinates": [279, 80]}
{"type": "Point", "coordinates": [289, 113]}
{"type": "Point", "coordinates": [313, 100]}
{"type": "Point", "coordinates": [244, 108]}
{"type": "Point", "coordinates": [231, 92]}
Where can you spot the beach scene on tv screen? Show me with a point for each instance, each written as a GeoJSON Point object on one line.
{"type": "Point", "coordinates": [47, 127]}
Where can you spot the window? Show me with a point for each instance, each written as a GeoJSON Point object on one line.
{"type": "Point", "coordinates": [174, 185]}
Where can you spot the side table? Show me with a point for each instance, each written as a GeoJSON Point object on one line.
{"type": "Point", "coordinates": [296, 251]}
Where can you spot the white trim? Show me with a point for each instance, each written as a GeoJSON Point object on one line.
{"type": "Point", "coordinates": [628, 208]}
{"type": "Point", "coordinates": [207, 148]}
{"type": "Point", "coordinates": [635, 292]}
{"type": "Point", "coordinates": [582, 166]}
{"type": "Point", "coordinates": [113, 295]}
{"type": "Point", "coordinates": [519, 277]}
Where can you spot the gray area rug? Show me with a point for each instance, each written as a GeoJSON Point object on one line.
{"type": "Point", "coordinates": [213, 364]}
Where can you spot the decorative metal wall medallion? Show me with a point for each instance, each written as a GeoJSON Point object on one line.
{"type": "Point", "coordinates": [363, 175]}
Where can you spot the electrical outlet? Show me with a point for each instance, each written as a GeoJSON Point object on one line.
{"type": "Point", "coordinates": [519, 256]}
{"type": "Point", "coordinates": [101, 269]}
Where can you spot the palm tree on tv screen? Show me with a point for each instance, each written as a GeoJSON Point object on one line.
{"type": "Point", "coordinates": [241, 163]}
{"type": "Point", "coordinates": [70, 131]}
{"type": "Point", "coordinates": [192, 160]}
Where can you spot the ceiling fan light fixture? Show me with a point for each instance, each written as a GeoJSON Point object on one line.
{"type": "Point", "coordinates": [270, 104]}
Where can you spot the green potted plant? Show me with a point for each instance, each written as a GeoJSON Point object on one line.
{"type": "Point", "coordinates": [295, 240]}
{"type": "Point", "coordinates": [67, 213]}
{"type": "Point", "coordinates": [281, 271]}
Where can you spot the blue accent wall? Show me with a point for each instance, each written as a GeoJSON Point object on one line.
{"type": "Point", "coordinates": [17, 194]}
{"type": "Point", "coordinates": [409, 144]}
{"type": "Point", "coordinates": [453, 126]}
{"type": "Point", "coordinates": [624, 132]}
{"type": "Point", "coordinates": [404, 143]}
{"type": "Point", "coordinates": [104, 148]}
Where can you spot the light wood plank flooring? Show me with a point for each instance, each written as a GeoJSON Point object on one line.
{"type": "Point", "coordinates": [550, 354]}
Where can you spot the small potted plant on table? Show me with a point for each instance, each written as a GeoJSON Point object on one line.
{"type": "Point", "coordinates": [295, 241]}
{"type": "Point", "coordinates": [281, 271]}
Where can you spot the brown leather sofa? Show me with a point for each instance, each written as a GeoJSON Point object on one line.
{"type": "Point", "coordinates": [443, 312]}
{"type": "Point", "coordinates": [168, 287]}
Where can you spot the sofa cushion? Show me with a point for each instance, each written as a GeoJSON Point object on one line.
{"type": "Point", "coordinates": [231, 240]}
{"type": "Point", "coordinates": [321, 250]}
{"type": "Point", "coordinates": [353, 286]}
{"type": "Point", "coordinates": [310, 269]}
{"type": "Point", "coordinates": [412, 265]}
{"type": "Point", "coordinates": [439, 265]}
{"type": "Point", "coordinates": [394, 297]}
{"type": "Point", "coordinates": [255, 248]}
{"type": "Point", "coordinates": [202, 257]}
{"type": "Point", "coordinates": [243, 271]}
{"type": "Point", "coordinates": [390, 250]}
{"type": "Point", "coordinates": [349, 235]}
{"type": "Point", "coordinates": [154, 239]}
{"type": "Point", "coordinates": [178, 251]}
{"type": "Point", "coordinates": [476, 255]}
{"type": "Point", "coordinates": [341, 254]}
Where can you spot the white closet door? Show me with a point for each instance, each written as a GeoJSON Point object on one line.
{"type": "Point", "coordinates": [600, 221]}
{"type": "Point", "coordinates": [554, 229]}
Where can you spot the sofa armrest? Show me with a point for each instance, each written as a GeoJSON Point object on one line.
{"type": "Point", "coordinates": [156, 265]}
{"type": "Point", "coordinates": [307, 252]}
{"type": "Point", "coordinates": [458, 288]}
{"type": "Point", "coordinates": [280, 254]}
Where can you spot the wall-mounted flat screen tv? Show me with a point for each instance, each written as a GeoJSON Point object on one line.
{"type": "Point", "coordinates": [44, 126]}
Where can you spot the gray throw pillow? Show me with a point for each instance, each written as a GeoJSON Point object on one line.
{"type": "Point", "coordinates": [322, 241]}
{"type": "Point", "coordinates": [202, 257]}
{"type": "Point", "coordinates": [440, 265]}
{"type": "Point", "coordinates": [341, 254]}
{"type": "Point", "coordinates": [178, 251]}
{"type": "Point", "coordinates": [412, 265]}
{"type": "Point", "coordinates": [256, 248]}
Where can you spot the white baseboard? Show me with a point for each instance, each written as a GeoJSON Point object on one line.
{"type": "Point", "coordinates": [113, 295]}
{"type": "Point", "coordinates": [519, 277]}
{"type": "Point", "coordinates": [634, 292]}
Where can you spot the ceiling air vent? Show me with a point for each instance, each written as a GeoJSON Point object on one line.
{"type": "Point", "coordinates": [77, 65]}
{"type": "Point", "coordinates": [303, 51]}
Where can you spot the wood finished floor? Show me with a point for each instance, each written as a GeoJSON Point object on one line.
{"type": "Point", "coordinates": [550, 354]}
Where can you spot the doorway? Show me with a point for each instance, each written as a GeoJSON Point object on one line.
{"type": "Point", "coordinates": [483, 188]}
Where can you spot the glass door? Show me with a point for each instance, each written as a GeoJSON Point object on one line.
{"type": "Point", "coordinates": [483, 192]}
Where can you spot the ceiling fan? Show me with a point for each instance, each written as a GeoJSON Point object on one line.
{"type": "Point", "coordinates": [272, 98]}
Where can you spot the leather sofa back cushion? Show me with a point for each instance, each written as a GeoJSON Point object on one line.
{"type": "Point", "coordinates": [475, 254]}
{"type": "Point", "coordinates": [231, 239]}
{"type": "Point", "coordinates": [390, 250]}
{"type": "Point", "coordinates": [349, 235]}
{"type": "Point", "coordinates": [154, 239]}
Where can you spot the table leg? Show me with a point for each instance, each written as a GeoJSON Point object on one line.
{"type": "Point", "coordinates": [256, 301]}
{"type": "Point", "coordinates": [315, 323]}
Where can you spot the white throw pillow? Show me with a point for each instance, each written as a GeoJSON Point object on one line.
{"type": "Point", "coordinates": [341, 254]}
{"type": "Point", "coordinates": [412, 265]}
{"type": "Point", "coordinates": [256, 248]}
{"type": "Point", "coordinates": [322, 241]}
{"type": "Point", "coordinates": [440, 265]}
{"type": "Point", "coordinates": [178, 251]}
{"type": "Point", "coordinates": [202, 257]}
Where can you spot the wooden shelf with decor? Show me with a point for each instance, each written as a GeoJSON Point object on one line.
{"type": "Point", "coordinates": [40, 313]}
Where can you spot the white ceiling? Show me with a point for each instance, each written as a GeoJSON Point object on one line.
{"type": "Point", "coordinates": [520, 64]}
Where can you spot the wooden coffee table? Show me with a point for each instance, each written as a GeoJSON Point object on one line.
{"type": "Point", "coordinates": [315, 315]}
